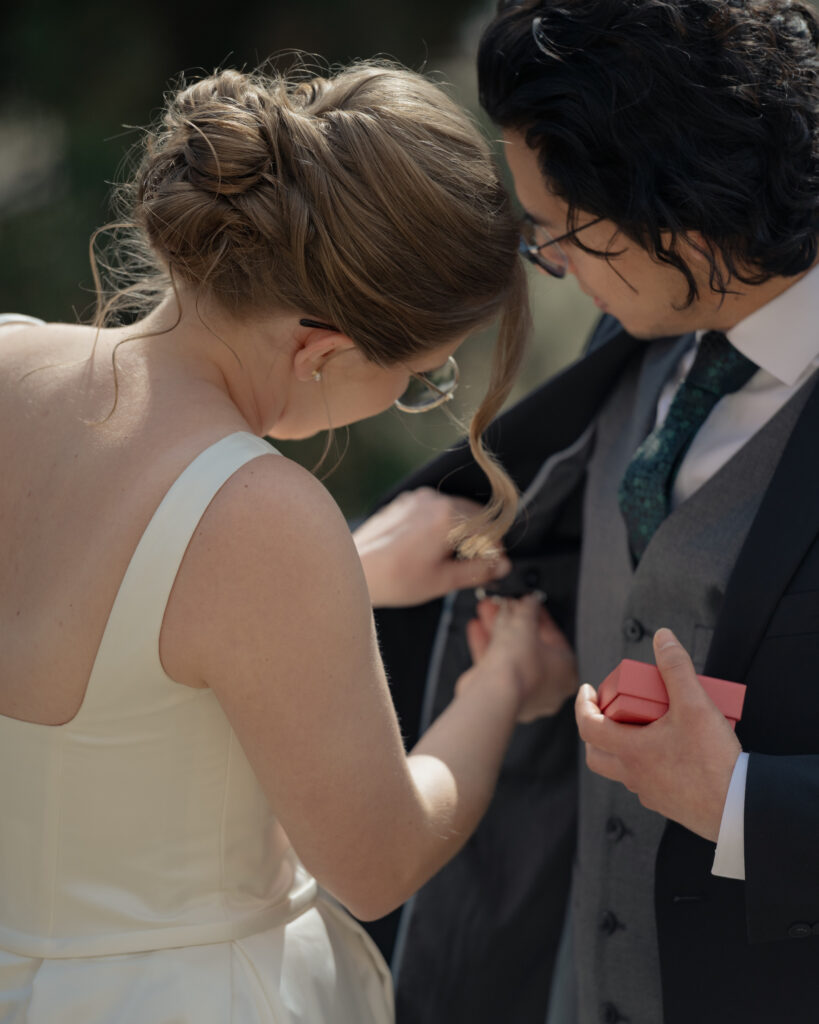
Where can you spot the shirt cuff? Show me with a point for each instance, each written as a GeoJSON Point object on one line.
{"type": "Point", "coordinates": [729, 859]}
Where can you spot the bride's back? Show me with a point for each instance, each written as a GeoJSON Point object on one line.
{"type": "Point", "coordinates": [78, 490]}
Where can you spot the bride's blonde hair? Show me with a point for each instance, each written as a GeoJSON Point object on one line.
{"type": "Point", "coordinates": [366, 199]}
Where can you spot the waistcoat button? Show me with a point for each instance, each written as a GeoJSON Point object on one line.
{"type": "Point", "coordinates": [615, 829]}
{"type": "Point", "coordinates": [609, 1014]}
{"type": "Point", "coordinates": [633, 630]}
{"type": "Point", "coordinates": [608, 923]}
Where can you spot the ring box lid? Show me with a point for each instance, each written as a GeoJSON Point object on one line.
{"type": "Point", "coordinates": [640, 691]}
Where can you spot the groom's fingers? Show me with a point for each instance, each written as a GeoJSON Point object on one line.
{"type": "Point", "coordinates": [677, 669]}
{"type": "Point", "coordinates": [601, 762]}
{"type": "Point", "coordinates": [617, 738]}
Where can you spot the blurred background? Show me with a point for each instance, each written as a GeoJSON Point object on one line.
{"type": "Point", "coordinates": [77, 81]}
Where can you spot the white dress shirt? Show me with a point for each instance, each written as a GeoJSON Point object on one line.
{"type": "Point", "coordinates": [782, 338]}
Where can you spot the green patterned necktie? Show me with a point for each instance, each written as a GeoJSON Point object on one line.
{"type": "Point", "coordinates": [645, 491]}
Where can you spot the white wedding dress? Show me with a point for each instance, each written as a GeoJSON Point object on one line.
{"type": "Point", "coordinates": [143, 877]}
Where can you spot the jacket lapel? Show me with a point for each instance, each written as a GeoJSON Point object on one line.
{"type": "Point", "coordinates": [784, 528]}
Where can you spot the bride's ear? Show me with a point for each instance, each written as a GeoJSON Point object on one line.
{"type": "Point", "coordinates": [314, 348]}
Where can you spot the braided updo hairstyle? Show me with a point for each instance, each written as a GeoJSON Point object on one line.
{"type": "Point", "coordinates": [366, 199]}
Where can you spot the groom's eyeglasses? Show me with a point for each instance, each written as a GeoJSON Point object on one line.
{"type": "Point", "coordinates": [426, 390]}
{"type": "Point", "coordinates": [534, 238]}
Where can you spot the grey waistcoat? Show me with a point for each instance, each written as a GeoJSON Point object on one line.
{"type": "Point", "coordinates": [679, 583]}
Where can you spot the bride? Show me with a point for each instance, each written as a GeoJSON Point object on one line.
{"type": "Point", "coordinates": [201, 761]}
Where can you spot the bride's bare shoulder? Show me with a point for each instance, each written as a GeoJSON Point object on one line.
{"type": "Point", "coordinates": [25, 338]}
{"type": "Point", "coordinates": [272, 541]}
{"type": "Point", "coordinates": [269, 491]}
{"type": "Point", "coordinates": [16, 330]}
{"type": "Point", "coordinates": [274, 512]}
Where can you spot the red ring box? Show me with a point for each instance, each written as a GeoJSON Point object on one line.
{"type": "Point", "coordinates": [635, 692]}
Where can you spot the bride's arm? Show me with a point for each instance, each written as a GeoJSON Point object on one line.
{"type": "Point", "coordinates": [271, 611]}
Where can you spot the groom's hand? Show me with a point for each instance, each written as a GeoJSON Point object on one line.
{"type": "Point", "coordinates": [680, 765]}
{"type": "Point", "coordinates": [407, 555]}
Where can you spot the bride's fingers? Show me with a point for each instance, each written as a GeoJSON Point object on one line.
{"type": "Point", "coordinates": [520, 609]}
{"type": "Point", "coordinates": [488, 610]}
{"type": "Point", "coordinates": [525, 610]}
{"type": "Point", "coordinates": [549, 631]}
{"type": "Point", "coordinates": [477, 639]}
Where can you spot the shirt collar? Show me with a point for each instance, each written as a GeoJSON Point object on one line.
{"type": "Point", "coordinates": [782, 336]}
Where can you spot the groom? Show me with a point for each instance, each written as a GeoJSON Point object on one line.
{"type": "Point", "coordinates": [665, 153]}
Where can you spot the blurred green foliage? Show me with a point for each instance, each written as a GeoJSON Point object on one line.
{"type": "Point", "coordinates": [77, 81]}
{"type": "Point", "coordinates": [84, 70]}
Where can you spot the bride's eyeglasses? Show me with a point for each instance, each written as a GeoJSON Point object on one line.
{"type": "Point", "coordinates": [426, 390]}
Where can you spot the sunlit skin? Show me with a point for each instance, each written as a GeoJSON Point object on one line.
{"type": "Point", "coordinates": [349, 387]}
{"type": "Point", "coordinates": [267, 369]}
{"type": "Point", "coordinates": [646, 296]}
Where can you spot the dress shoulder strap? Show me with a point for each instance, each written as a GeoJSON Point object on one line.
{"type": "Point", "coordinates": [19, 318]}
{"type": "Point", "coordinates": [130, 642]}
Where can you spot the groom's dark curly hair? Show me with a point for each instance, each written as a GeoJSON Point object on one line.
{"type": "Point", "coordinates": [670, 116]}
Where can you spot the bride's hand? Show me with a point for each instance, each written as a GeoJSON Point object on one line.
{"type": "Point", "coordinates": [406, 552]}
{"type": "Point", "coordinates": [521, 633]}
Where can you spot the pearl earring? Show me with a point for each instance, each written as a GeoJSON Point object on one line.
{"type": "Point", "coordinates": [317, 376]}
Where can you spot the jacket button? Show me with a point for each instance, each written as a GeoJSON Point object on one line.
{"type": "Point", "coordinates": [531, 578]}
{"type": "Point", "coordinates": [815, 929]}
{"type": "Point", "coordinates": [608, 923]}
{"type": "Point", "coordinates": [615, 829]}
{"type": "Point", "coordinates": [633, 630]}
{"type": "Point", "coordinates": [609, 1014]}
{"type": "Point", "coordinates": [799, 930]}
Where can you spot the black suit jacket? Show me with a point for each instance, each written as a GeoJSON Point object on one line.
{"type": "Point", "coordinates": [480, 941]}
